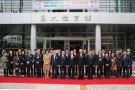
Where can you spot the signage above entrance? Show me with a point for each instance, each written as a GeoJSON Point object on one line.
{"type": "Point", "coordinates": [64, 4]}
{"type": "Point", "coordinates": [65, 18]}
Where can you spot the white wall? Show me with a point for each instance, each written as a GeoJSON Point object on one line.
{"type": "Point", "coordinates": [95, 18]}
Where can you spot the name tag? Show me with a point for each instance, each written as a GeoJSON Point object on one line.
{"type": "Point", "coordinates": [100, 59]}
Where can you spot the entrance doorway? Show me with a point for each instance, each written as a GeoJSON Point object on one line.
{"type": "Point", "coordinates": [67, 43]}
{"type": "Point", "coordinates": [76, 45]}
{"type": "Point", "coordinates": [57, 44]}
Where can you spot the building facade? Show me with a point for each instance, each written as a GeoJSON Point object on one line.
{"type": "Point", "coordinates": [110, 26]}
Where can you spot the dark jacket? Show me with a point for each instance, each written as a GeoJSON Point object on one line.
{"type": "Point", "coordinates": [131, 57]}
{"type": "Point", "coordinates": [118, 60]}
{"type": "Point", "coordinates": [72, 61]}
{"type": "Point", "coordinates": [89, 61]}
{"type": "Point", "coordinates": [81, 60]}
{"type": "Point", "coordinates": [22, 61]}
{"type": "Point", "coordinates": [29, 58]}
{"type": "Point", "coordinates": [99, 60]}
{"type": "Point", "coordinates": [10, 59]}
{"type": "Point", "coordinates": [54, 61]}
{"type": "Point", "coordinates": [107, 60]}
{"type": "Point", "coordinates": [38, 60]}
{"type": "Point", "coordinates": [62, 61]}
{"type": "Point", "coordinates": [126, 61]}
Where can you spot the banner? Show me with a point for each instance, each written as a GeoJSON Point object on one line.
{"type": "Point", "coordinates": [64, 4]}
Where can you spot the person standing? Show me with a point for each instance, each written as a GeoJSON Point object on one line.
{"type": "Point", "coordinates": [10, 63]}
{"type": "Point", "coordinates": [54, 64]}
{"type": "Point", "coordinates": [38, 62]}
{"type": "Point", "coordinates": [94, 61]}
{"type": "Point", "coordinates": [22, 63]}
{"type": "Point", "coordinates": [119, 63]}
{"type": "Point", "coordinates": [62, 64]}
{"type": "Point", "coordinates": [29, 58]}
{"type": "Point", "coordinates": [46, 66]}
{"type": "Point", "coordinates": [16, 64]}
{"type": "Point", "coordinates": [89, 64]}
{"type": "Point", "coordinates": [131, 60]}
{"type": "Point", "coordinates": [67, 59]}
{"type": "Point", "coordinates": [81, 66]}
{"type": "Point", "coordinates": [76, 60]}
{"type": "Point", "coordinates": [126, 62]}
{"type": "Point", "coordinates": [85, 56]}
{"type": "Point", "coordinates": [99, 64]}
{"type": "Point", "coordinates": [4, 63]}
{"type": "Point", "coordinates": [121, 55]}
{"type": "Point", "coordinates": [107, 65]}
{"type": "Point", "coordinates": [113, 65]}
{"type": "Point", "coordinates": [71, 64]}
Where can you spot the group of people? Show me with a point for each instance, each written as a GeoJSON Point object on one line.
{"type": "Point", "coordinates": [54, 63]}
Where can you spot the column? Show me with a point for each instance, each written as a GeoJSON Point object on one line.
{"type": "Point", "coordinates": [88, 45]}
{"type": "Point", "coordinates": [33, 43]}
{"type": "Point", "coordinates": [44, 44]}
{"type": "Point", "coordinates": [97, 38]}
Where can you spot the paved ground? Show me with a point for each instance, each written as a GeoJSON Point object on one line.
{"type": "Point", "coordinates": [24, 86]}
{"type": "Point", "coordinates": [65, 87]}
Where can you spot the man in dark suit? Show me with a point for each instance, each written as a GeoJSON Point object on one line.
{"type": "Point", "coordinates": [76, 60]}
{"type": "Point", "coordinates": [29, 59]}
{"type": "Point", "coordinates": [62, 63]}
{"type": "Point", "coordinates": [71, 64]}
{"type": "Point", "coordinates": [85, 56]}
{"type": "Point", "coordinates": [126, 62]}
{"type": "Point", "coordinates": [99, 64]}
{"type": "Point", "coordinates": [58, 54]}
{"type": "Point", "coordinates": [119, 63]}
{"type": "Point", "coordinates": [121, 55]}
{"type": "Point", "coordinates": [67, 59]}
{"type": "Point", "coordinates": [81, 61]}
{"type": "Point", "coordinates": [131, 60]}
{"type": "Point", "coordinates": [38, 63]}
{"type": "Point", "coordinates": [94, 60]}
{"type": "Point", "coordinates": [54, 64]}
{"type": "Point", "coordinates": [89, 64]}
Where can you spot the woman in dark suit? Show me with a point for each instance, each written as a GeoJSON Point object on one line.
{"type": "Point", "coordinates": [107, 64]}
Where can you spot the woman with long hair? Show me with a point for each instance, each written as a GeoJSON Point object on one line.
{"type": "Point", "coordinates": [46, 67]}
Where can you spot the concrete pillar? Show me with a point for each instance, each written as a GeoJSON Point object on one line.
{"type": "Point", "coordinates": [88, 45]}
{"type": "Point", "coordinates": [44, 44]}
{"type": "Point", "coordinates": [33, 42]}
{"type": "Point", "coordinates": [97, 38]}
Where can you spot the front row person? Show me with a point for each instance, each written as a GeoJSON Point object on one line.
{"type": "Point", "coordinates": [16, 64]}
{"type": "Point", "coordinates": [126, 62]}
{"type": "Point", "coordinates": [89, 64]}
{"type": "Point", "coordinates": [46, 66]}
{"type": "Point", "coordinates": [99, 64]}
{"type": "Point", "coordinates": [29, 57]}
{"type": "Point", "coordinates": [38, 62]}
{"type": "Point", "coordinates": [62, 63]}
{"type": "Point", "coordinates": [114, 65]}
{"type": "Point", "coordinates": [54, 64]}
{"type": "Point", "coordinates": [4, 63]}
{"type": "Point", "coordinates": [71, 63]}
